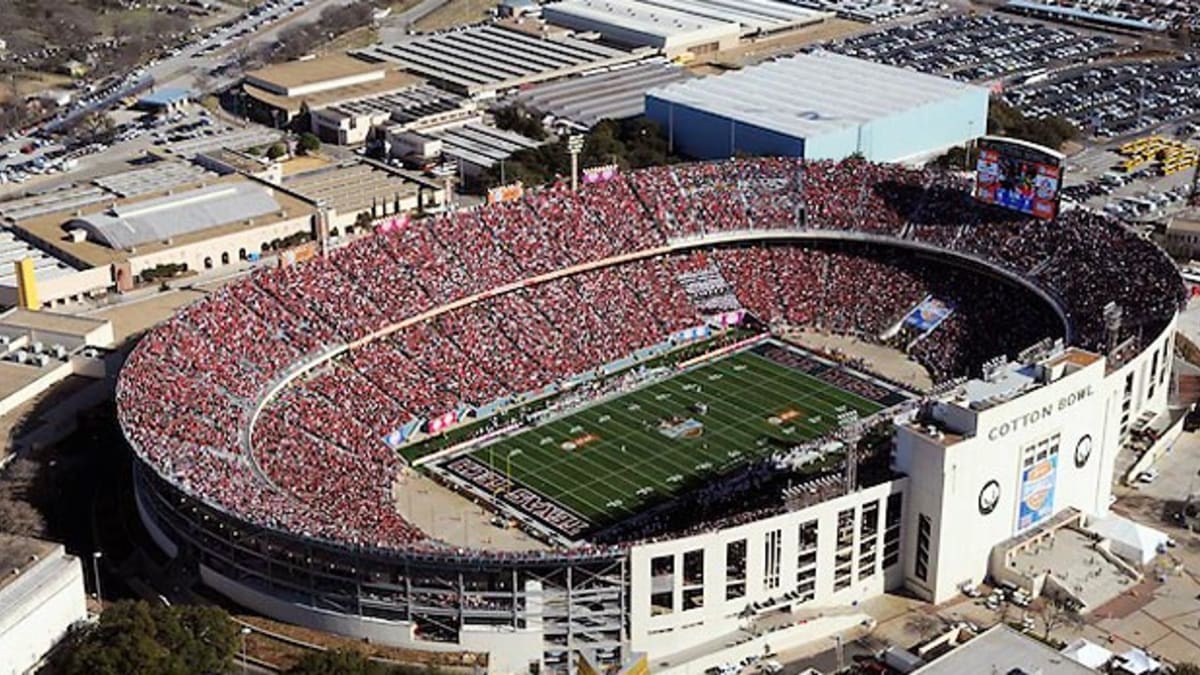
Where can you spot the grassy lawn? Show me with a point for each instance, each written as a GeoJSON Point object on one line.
{"type": "Point", "coordinates": [456, 13]}
{"type": "Point", "coordinates": [619, 457]}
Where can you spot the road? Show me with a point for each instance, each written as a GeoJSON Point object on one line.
{"type": "Point", "coordinates": [395, 28]}
{"type": "Point", "coordinates": [180, 69]}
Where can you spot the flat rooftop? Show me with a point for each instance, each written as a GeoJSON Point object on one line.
{"type": "Point", "coordinates": [50, 231]}
{"type": "Point", "coordinates": [1072, 559]}
{"type": "Point", "coordinates": [238, 139]}
{"type": "Point", "coordinates": [52, 322]}
{"type": "Point", "coordinates": [812, 94]}
{"type": "Point", "coordinates": [482, 145]}
{"type": "Point", "coordinates": [392, 81]}
{"type": "Point", "coordinates": [616, 94]}
{"type": "Point", "coordinates": [49, 201]}
{"type": "Point", "coordinates": [20, 553]}
{"type": "Point", "coordinates": [492, 57]}
{"type": "Point", "coordinates": [662, 20]}
{"type": "Point", "coordinates": [351, 188]}
{"type": "Point", "coordinates": [407, 105]}
{"type": "Point", "coordinates": [1000, 650]}
{"type": "Point", "coordinates": [45, 265]}
{"type": "Point", "coordinates": [157, 177]}
{"type": "Point", "coordinates": [296, 74]}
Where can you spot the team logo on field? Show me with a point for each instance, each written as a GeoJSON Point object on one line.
{"type": "Point", "coordinates": [579, 442]}
{"type": "Point", "coordinates": [785, 416]}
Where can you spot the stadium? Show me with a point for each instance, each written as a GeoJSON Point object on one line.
{"type": "Point", "coordinates": [577, 425]}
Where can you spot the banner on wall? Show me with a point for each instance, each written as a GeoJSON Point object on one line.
{"type": "Point", "coordinates": [1037, 492]}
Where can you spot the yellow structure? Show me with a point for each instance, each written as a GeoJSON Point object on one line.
{"type": "Point", "coordinates": [1170, 154]}
{"type": "Point", "coordinates": [27, 292]}
{"type": "Point", "coordinates": [638, 664]}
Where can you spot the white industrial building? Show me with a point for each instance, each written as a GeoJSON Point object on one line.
{"type": "Point", "coordinates": [679, 26]}
{"type": "Point", "coordinates": [41, 597]}
{"type": "Point", "coordinates": [820, 106]}
{"type": "Point", "coordinates": [1004, 650]}
{"type": "Point", "coordinates": [635, 23]}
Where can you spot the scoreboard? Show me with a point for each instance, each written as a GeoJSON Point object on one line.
{"type": "Point", "coordinates": [1019, 175]}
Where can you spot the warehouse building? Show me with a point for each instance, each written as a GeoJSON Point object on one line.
{"type": "Point", "coordinates": [638, 24]}
{"type": "Point", "coordinates": [820, 106]}
{"type": "Point", "coordinates": [419, 106]}
{"type": "Point", "coordinates": [347, 191]}
{"type": "Point", "coordinates": [115, 243]}
{"type": "Point", "coordinates": [278, 94]}
{"type": "Point", "coordinates": [483, 60]}
{"type": "Point", "coordinates": [680, 26]}
{"type": "Point", "coordinates": [581, 102]}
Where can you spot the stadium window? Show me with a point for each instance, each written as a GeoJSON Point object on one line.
{"type": "Point", "coordinates": [693, 567]}
{"type": "Point", "coordinates": [891, 533]}
{"type": "Point", "coordinates": [693, 598]}
{"type": "Point", "coordinates": [735, 569]}
{"type": "Point", "coordinates": [663, 566]}
{"type": "Point", "coordinates": [924, 532]}
{"type": "Point", "coordinates": [773, 545]}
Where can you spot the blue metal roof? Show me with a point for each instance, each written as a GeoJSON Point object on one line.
{"type": "Point", "coordinates": [164, 97]}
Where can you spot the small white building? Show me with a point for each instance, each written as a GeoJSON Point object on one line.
{"type": "Point", "coordinates": [41, 597]}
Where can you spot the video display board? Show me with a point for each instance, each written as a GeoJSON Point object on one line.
{"type": "Point", "coordinates": [1020, 176]}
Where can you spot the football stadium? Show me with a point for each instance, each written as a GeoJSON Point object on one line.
{"type": "Point", "coordinates": [584, 426]}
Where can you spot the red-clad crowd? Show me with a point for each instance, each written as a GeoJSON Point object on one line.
{"type": "Point", "coordinates": [313, 460]}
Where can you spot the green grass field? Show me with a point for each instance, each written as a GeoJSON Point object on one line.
{"type": "Point", "coordinates": [621, 462]}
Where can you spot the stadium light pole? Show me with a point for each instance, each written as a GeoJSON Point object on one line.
{"type": "Point", "coordinates": [96, 555]}
{"type": "Point", "coordinates": [575, 146]}
{"type": "Point", "coordinates": [245, 631]}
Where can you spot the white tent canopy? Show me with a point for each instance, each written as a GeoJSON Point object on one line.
{"type": "Point", "coordinates": [1087, 653]}
{"type": "Point", "coordinates": [1132, 541]}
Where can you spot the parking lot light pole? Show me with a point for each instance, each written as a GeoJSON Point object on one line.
{"type": "Point", "coordinates": [96, 555]}
{"type": "Point", "coordinates": [245, 631]}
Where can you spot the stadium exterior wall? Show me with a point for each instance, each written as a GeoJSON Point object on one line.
{"type": "Point", "coordinates": [919, 132]}
{"type": "Point", "coordinates": [775, 560]}
{"type": "Point", "coordinates": [1070, 430]}
{"type": "Point", "coordinates": [386, 595]}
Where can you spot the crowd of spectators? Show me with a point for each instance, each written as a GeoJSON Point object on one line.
{"type": "Point", "coordinates": [313, 459]}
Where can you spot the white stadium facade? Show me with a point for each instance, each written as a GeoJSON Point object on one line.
{"type": "Point", "coordinates": [979, 465]}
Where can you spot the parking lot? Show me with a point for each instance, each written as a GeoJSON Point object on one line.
{"type": "Point", "coordinates": [1115, 100]}
{"type": "Point", "coordinates": [132, 136]}
{"type": "Point", "coordinates": [973, 48]}
{"type": "Point", "coordinates": [1095, 177]}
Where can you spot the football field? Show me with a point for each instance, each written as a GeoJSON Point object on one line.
{"type": "Point", "coordinates": [616, 458]}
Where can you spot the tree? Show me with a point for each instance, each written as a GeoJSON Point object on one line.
{"type": "Point", "coordinates": [1186, 668]}
{"type": "Point", "coordinates": [922, 624]}
{"type": "Point", "coordinates": [20, 517]}
{"type": "Point", "coordinates": [1051, 132]}
{"type": "Point", "coordinates": [137, 637]}
{"type": "Point", "coordinates": [276, 150]}
{"type": "Point", "coordinates": [1055, 614]}
{"type": "Point", "coordinates": [516, 118]}
{"type": "Point", "coordinates": [309, 143]}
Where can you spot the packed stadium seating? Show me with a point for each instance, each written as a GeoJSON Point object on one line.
{"type": "Point", "coordinates": [315, 462]}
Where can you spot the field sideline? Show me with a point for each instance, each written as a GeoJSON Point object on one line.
{"type": "Point", "coordinates": [614, 459]}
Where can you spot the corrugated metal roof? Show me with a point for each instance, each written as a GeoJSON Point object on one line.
{"type": "Point", "coordinates": [617, 94]}
{"type": "Point", "coordinates": [811, 94]}
{"type": "Point", "coordinates": [485, 57]}
{"type": "Point", "coordinates": [669, 17]}
{"type": "Point", "coordinates": [128, 225]}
